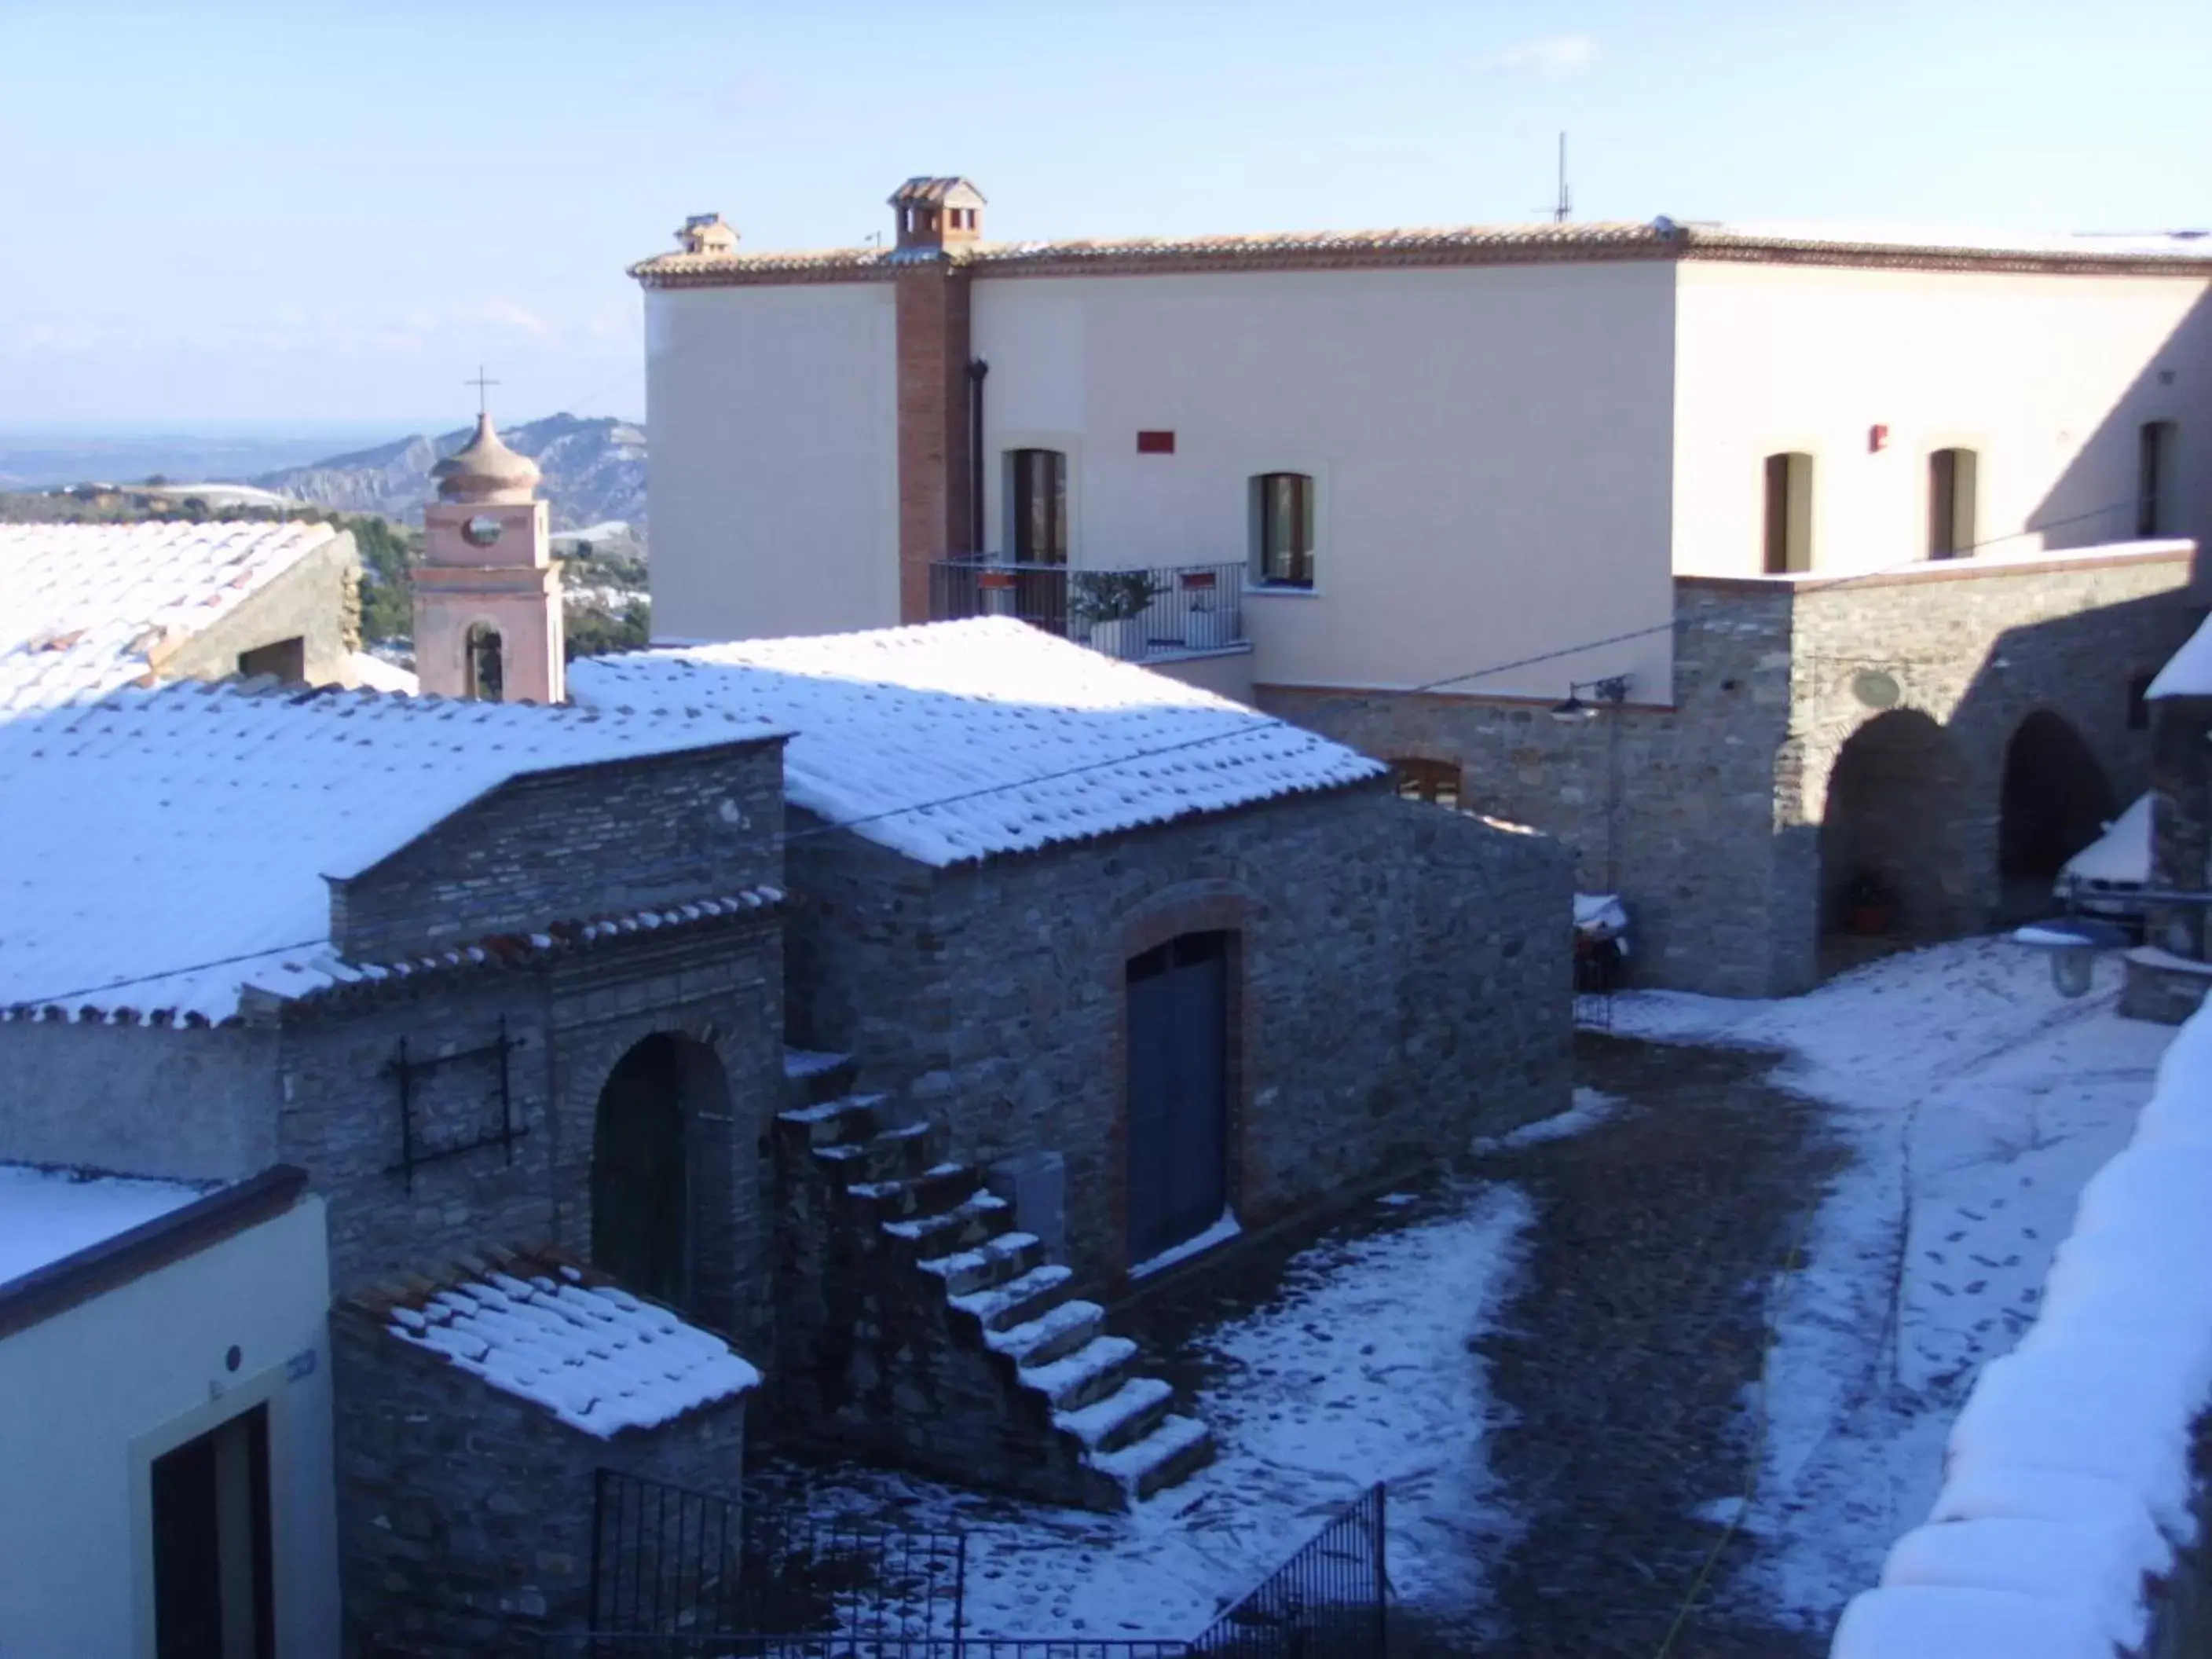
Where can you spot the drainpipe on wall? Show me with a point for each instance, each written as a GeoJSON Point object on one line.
{"type": "Point", "coordinates": [977, 368]}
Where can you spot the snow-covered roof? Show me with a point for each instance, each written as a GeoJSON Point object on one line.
{"type": "Point", "coordinates": [2121, 854]}
{"type": "Point", "coordinates": [586, 1351]}
{"type": "Point", "coordinates": [373, 673]}
{"type": "Point", "coordinates": [48, 1214]}
{"type": "Point", "coordinates": [956, 741]}
{"type": "Point", "coordinates": [194, 824]}
{"type": "Point", "coordinates": [2188, 672]}
{"type": "Point", "coordinates": [84, 608]}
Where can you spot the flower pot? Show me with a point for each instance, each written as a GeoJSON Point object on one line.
{"type": "Point", "coordinates": [1205, 630]}
{"type": "Point", "coordinates": [1119, 637]}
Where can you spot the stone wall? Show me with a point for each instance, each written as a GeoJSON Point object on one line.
{"type": "Point", "coordinates": [187, 1104]}
{"type": "Point", "coordinates": [603, 839]}
{"type": "Point", "coordinates": [1402, 984]}
{"type": "Point", "coordinates": [466, 1514]}
{"type": "Point", "coordinates": [1701, 803]}
{"type": "Point", "coordinates": [315, 602]}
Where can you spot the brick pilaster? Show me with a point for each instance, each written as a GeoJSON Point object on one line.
{"type": "Point", "coordinates": [933, 449]}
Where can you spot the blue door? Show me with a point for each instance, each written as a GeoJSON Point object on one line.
{"type": "Point", "coordinates": [1178, 1091]}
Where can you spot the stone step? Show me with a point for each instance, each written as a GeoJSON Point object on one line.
{"type": "Point", "coordinates": [1174, 1451]}
{"type": "Point", "coordinates": [1018, 1301]}
{"type": "Point", "coordinates": [980, 1216]}
{"type": "Point", "coordinates": [933, 1193]}
{"type": "Point", "coordinates": [1123, 1417]}
{"type": "Point", "coordinates": [995, 1262]}
{"type": "Point", "coordinates": [1054, 1336]}
{"type": "Point", "coordinates": [847, 1119]}
{"type": "Point", "coordinates": [815, 1076]}
{"type": "Point", "coordinates": [1082, 1378]}
{"type": "Point", "coordinates": [905, 1149]}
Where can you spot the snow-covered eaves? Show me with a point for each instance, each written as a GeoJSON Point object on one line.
{"type": "Point", "coordinates": [2070, 1477]}
{"type": "Point", "coordinates": [87, 608]}
{"type": "Point", "coordinates": [2188, 672]}
{"type": "Point", "coordinates": [570, 1341]}
{"type": "Point", "coordinates": [952, 742]}
{"type": "Point", "coordinates": [182, 835]}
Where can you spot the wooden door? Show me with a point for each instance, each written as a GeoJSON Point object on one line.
{"type": "Point", "coordinates": [1178, 1092]}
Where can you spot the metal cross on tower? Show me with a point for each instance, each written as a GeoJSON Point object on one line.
{"type": "Point", "coordinates": [484, 406]}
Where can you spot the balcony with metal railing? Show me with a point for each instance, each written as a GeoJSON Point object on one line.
{"type": "Point", "coordinates": [1162, 613]}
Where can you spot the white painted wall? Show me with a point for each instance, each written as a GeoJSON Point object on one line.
{"type": "Point", "coordinates": [1491, 448]}
{"type": "Point", "coordinates": [2047, 378]}
{"type": "Point", "coordinates": [771, 419]}
{"type": "Point", "coordinates": [93, 1395]}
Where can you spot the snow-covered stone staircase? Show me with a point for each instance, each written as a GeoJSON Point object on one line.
{"type": "Point", "coordinates": [1097, 1432]}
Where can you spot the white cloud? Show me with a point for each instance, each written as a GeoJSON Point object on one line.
{"type": "Point", "coordinates": [1551, 57]}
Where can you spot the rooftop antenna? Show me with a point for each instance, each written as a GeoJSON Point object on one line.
{"type": "Point", "coordinates": [483, 386]}
{"type": "Point", "coordinates": [1566, 204]}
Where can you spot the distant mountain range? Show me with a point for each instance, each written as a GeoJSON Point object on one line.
{"type": "Point", "coordinates": [594, 472]}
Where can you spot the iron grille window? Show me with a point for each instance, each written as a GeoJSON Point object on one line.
{"type": "Point", "coordinates": [1283, 528]}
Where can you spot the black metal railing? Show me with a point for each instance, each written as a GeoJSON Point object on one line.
{"type": "Point", "coordinates": [1141, 614]}
{"type": "Point", "coordinates": [1327, 1601]}
{"type": "Point", "coordinates": [668, 1562]}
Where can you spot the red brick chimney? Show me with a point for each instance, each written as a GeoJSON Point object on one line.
{"type": "Point", "coordinates": [937, 219]}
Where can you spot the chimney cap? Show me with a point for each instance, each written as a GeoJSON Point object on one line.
{"type": "Point", "coordinates": [921, 190]}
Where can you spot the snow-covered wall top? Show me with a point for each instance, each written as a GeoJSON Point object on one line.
{"type": "Point", "coordinates": [82, 606]}
{"type": "Point", "coordinates": [956, 741]}
{"type": "Point", "coordinates": [48, 1214]}
{"type": "Point", "coordinates": [2188, 672]}
{"type": "Point", "coordinates": [163, 849]}
{"type": "Point", "coordinates": [2067, 1477]}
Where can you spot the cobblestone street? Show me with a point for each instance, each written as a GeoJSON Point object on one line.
{"type": "Point", "coordinates": [1622, 1368]}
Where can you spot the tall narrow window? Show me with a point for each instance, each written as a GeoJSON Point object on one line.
{"type": "Point", "coordinates": [486, 667]}
{"type": "Point", "coordinates": [1036, 504]}
{"type": "Point", "coordinates": [2154, 480]}
{"type": "Point", "coordinates": [1283, 529]}
{"type": "Point", "coordinates": [1788, 526]}
{"type": "Point", "coordinates": [1951, 491]}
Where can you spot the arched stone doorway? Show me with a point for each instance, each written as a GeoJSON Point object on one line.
{"type": "Point", "coordinates": [2055, 799]}
{"type": "Point", "coordinates": [645, 1191]}
{"type": "Point", "coordinates": [1889, 836]}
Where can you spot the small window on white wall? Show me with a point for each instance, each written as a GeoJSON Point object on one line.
{"type": "Point", "coordinates": [1951, 492]}
{"type": "Point", "coordinates": [2156, 456]}
{"type": "Point", "coordinates": [1789, 514]}
{"type": "Point", "coordinates": [1283, 529]}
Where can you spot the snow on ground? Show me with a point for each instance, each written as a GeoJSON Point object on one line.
{"type": "Point", "coordinates": [1591, 1107]}
{"type": "Point", "coordinates": [1958, 1076]}
{"type": "Point", "coordinates": [46, 1214]}
{"type": "Point", "coordinates": [1358, 1370]}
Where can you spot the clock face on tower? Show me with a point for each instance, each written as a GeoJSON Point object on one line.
{"type": "Point", "coordinates": [481, 531]}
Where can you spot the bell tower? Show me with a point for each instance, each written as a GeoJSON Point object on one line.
{"type": "Point", "coordinates": [487, 593]}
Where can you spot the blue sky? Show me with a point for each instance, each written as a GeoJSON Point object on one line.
{"type": "Point", "coordinates": [329, 214]}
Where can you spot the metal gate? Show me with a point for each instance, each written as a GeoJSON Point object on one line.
{"type": "Point", "coordinates": [1330, 1601]}
{"type": "Point", "coordinates": [1178, 1091]}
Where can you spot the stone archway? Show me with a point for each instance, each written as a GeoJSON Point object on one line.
{"type": "Point", "coordinates": [1892, 834]}
{"type": "Point", "coordinates": [645, 1190]}
{"type": "Point", "coordinates": [2054, 800]}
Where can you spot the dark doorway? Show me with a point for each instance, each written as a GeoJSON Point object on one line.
{"type": "Point", "coordinates": [1891, 869]}
{"type": "Point", "coordinates": [2056, 801]}
{"type": "Point", "coordinates": [212, 1588]}
{"type": "Point", "coordinates": [1036, 533]}
{"type": "Point", "coordinates": [640, 1193]}
{"type": "Point", "coordinates": [287, 659]}
{"type": "Point", "coordinates": [1178, 1091]}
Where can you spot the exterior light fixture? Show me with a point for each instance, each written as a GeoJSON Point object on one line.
{"type": "Point", "coordinates": [1613, 689]}
{"type": "Point", "coordinates": [2072, 944]}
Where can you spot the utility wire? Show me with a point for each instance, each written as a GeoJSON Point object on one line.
{"type": "Point", "coordinates": [828, 826]}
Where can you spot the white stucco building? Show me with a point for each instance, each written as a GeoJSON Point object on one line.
{"type": "Point", "coordinates": [1444, 476]}
{"type": "Point", "coordinates": [167, 1435]}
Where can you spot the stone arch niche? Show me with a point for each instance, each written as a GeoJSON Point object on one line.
{"type": "Point", "coordinates": [1895, 823]}
{"type": "Point", "coordinates": [662, 1112]}
{"type": "Point", "coordinates": [2054, 801]}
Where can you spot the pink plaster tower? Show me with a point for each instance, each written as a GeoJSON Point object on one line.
{"type": "Point", "coordinates": [487, 594]}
